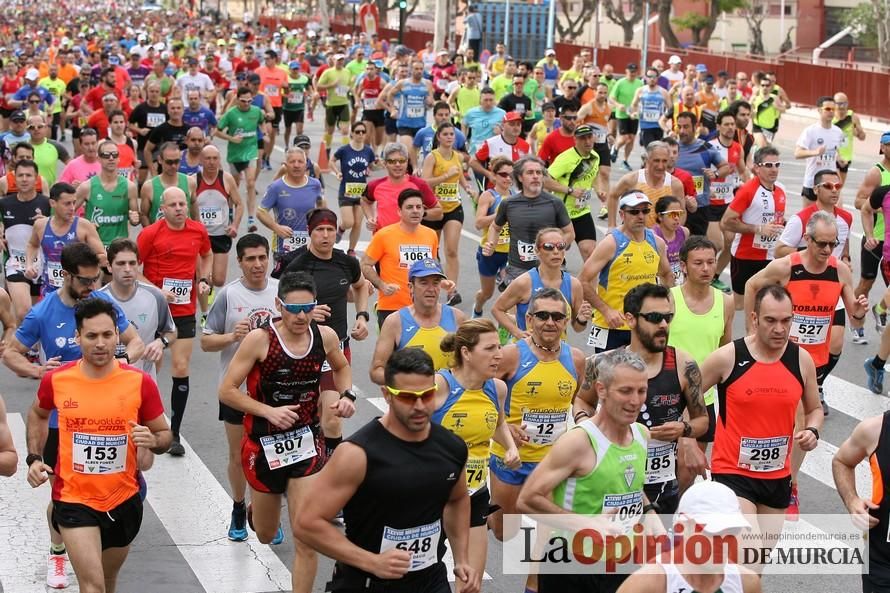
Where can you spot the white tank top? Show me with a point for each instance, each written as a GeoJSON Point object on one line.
{"type": "Point", "coordinates": [732, 580]}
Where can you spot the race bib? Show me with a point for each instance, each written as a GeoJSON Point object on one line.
{"type": "Point", "coordinates": [289, 448]}
{"type": "Point", "coordinates": [598, 337]}
{"type": "Point", "coordinates": [477, 473]}
{"type": "Point", "coordinates": [651, 115]}
{"type": "Point", "coordinates": [295, 97]}
{"type": "Point", "coordinates": [422, 542]}
{"type": "Point", "coordinates": [699, 182]}
{"type": "Point", "coordinates": [527, 251]}
{"type": "Point", "coordinates": [583, 202]}
{"type": "Point", "coordinates": [99, 453]}
{"type": "Point", "coordinates": [54, 273]}
{"type": "Point", "coordinates": [408, 254]}
{"type": "Point", "coordinates": [16, 261]}
{"type": "Point", "coordinates": [661, 462]}
{"type": "Point", "coordinates": [599, 135]}
{"type": "Point", "coordinates": [722, 192]}
{"type": "Point", "coordinates": [354, 190]}
{"type": "Point", "coordinates": [678, 273]}
{"type": "Point", "coordinates": [369, 104]}
{"type": "Point", "coordinates": [447, 192]}
{"type": "Point", "coordinates": [520, 108]}
{"type": "Point", "coordinates": [181, 289]}
{"type": "Point", "coordinates": [271, 90]}
{"type": "Point", "coordinates": [763, 455]}
{"type": "Point", "coordinates": [153, 120]}
{"type": "Point", "coordinates": [544, 428]}
{"type": "Point", "coordinates": [808, 329]}
{"type": "Point", "coordinates": [624, 509]}
{"type": "Point", "coordinates": [212, 215]}
{"type": "Point", "coordinates": [341, 90]}
{"type": "Point", "coordinates": [768, 135]}
{"type": "Point", "coordinates": [295, 241]}
{"type": "Point", "coordinates": [504, 235]}
{"type": "Point", "coordinates": [413, 111]}
{"type": "Point", "coordinates": [441, 84]}
{"type": "Point", "coordinates": [762, 241]}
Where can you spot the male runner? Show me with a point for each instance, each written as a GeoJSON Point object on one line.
{"type": "Point", "coordinates": [109, 200]}
{"type": "Point", "coordinates": [150, 195]}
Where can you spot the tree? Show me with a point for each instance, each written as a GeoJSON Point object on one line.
{"type": "Point", "coordinates": [755, 13]}
{"type": "Point", "coordinates": [616, 14]}
{"type": "Point", "coordinates": [871, 29]}
{"type": "Point", "coordinates": [664, 23]}
{"type": "Point", "coordinates": [701, 25]}
{"type": "Point", "coordinates": [572, 23]}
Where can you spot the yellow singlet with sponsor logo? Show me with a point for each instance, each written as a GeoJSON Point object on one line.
{"type": "Point", "coordinates": [635, 262]}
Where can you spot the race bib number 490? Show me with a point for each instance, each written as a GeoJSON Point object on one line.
{"type": "Point", "coordinates": [181, 290]}
{"type": "Point", "coordinates": [99, 453]}
{"type": "Point", "coordinates": [422, 542]}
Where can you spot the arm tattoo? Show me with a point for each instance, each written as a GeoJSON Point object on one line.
{"type": "Point", "coordinates": [589, 373]}
{"type": "Point", "coordinates": [694, 400]}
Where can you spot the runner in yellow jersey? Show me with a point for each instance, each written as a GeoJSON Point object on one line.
{"type": "Point", "coordinates": [629, 255]}
{"type": "Point", "coordinates": [420, 325]}
{"type": "Point", "coordinates": [470, 403]}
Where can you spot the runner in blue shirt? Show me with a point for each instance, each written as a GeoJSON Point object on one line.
{"type": "Point", "coordinates": [352, 163]}
{"type": "Point", "coordinates": [704, 163]}
{"type": "Point", "coordinates": [423, 140]}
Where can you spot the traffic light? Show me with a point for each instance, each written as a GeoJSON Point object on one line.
{"type": "Point", "coordinates": [403, 6]}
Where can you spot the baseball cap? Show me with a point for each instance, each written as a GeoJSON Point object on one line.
{"type": "Point", "coordinates": [253, 77]}
{"type": "Point", "coordinates": [32, 74]}
{"type": "Point", "coordinates": [338, 57]}
{"type": "Point", "coordinates": [425, 267]}
{"type": "Point", "coordinates": [709, 78]}
{"type": "Point", "coordinates": [885, 137]}
{"type": "Point", "coordinates": [221, 42]}
{"type": "Point", "coordinates": [629, 200]}
{"type": "Point", "coordinates": [18, 115]}
{"type": "Point", "coordinates": [548, 105]}
{"type": "Point", "coordinates": [583, 130]}
{"type": "Point", "coordinates": [192, 61]}
{"type": "Point", "coordinates": [512, 116]}
{"type": "Point", "coordinates": [302, 141]}
{"type": "Point", "coordinates": [701, 68]}
{"type": "Point", "coordinates": [675, 60]}
{"type": "Point", "coordinates": [550, 52]}
{"type": "Point", "coordinates": [632, 66]}
{"type": "Point", "coordinates": [442, 52]}
{"type": "Point", "coordinates": [713, 506]}
{"type": "Point", "coordinates": [293, 65]}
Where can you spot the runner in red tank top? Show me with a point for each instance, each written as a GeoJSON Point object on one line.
{"type": "Point", "coordinates": [816, 280]}
{"type": "Point", "coordinates": [760, 381]}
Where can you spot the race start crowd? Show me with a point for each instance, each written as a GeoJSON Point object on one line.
{"type": "Point", "coordinates": [488, 414]}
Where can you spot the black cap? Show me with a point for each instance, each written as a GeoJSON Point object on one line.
{"type": "Point", "coordinates": [548, 105]}
{"type": "Point", "coordinates": [18, 115]}
{"type": "Point", "coordinates": [253, 77]}
{"type": "Point", "coordinates": [192, 61]}
{"type": "Point", "coordinates": [302, 141]}
{"type": "Point", "coordinates": [632, 66]}
{"type": "Point", "coordinates": [583, 130]}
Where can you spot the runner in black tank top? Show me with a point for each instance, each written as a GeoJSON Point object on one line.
{"type": "Point", "coordinates": [400, 482]}
{"type": "Point", "coordinates": [870, 438]}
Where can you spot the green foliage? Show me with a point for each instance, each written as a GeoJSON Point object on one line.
{"type": "Point", "coordinates": [862, 16]}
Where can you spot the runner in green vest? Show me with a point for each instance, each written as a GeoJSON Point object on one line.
{"type": "Point", "coordinates": [599, 466]}
{"type": "Point", "coordinates": [299, 89]}
{"type": "Point", "coordinates": [109, 199]}
{"type": "Point", "coordinates": [850, 125]}
{"type": "Point", "coordinates": [872, 246]}
{"type": "Point", "coordinates": [169, 156]}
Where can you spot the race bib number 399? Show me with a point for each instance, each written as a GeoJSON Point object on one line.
{"type": "Point", "coordinates": [99, 453]}
{"type": "Point", "coordinates": [422, 542]}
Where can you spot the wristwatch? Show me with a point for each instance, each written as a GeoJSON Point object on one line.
{"type": "Point", "coordinates": [31, 458]}
{"type": "Point", "coordinates": [813, 430]}
{"type": "Point", "coordinates": [652, 506]}
{"type": "Point", "coordinates": [125, 356]}
{"type": "Point", "coordinates": [348, 394]}
{"type": "Point", "coordinates": [363, 314]}
{"type": "Point", "coordinates": [687, 429]}
{"type": "Point", "coordinates": [164, 341]}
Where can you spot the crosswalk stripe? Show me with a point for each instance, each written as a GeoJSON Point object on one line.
{"type": "Point", "coordinates": [195, 509]}
{"type": "Point", "coordinates": [25, 542]}
{"type": "Point", "coordinates": [448, 559]}
{"type": "Point", "coordinates": [853, 400]}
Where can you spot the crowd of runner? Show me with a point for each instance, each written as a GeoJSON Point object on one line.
{"type": "Point", "coordinates": [132, 152]}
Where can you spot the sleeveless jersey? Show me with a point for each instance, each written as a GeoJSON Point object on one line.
{"type": "Point", "coordinates": [427, 338]}
{"type": "Point", "coordinates": [399, 503]}
{"type": "Point", "coordinates": [447, 191]}
{"type": "Point", "coordinates": [539, 395]}
{"type": "Point", "coordinates": [109, 210]}
{"type": "Point", "coordinates": [698, 335]}
{"type": "Point", "coordinates": [680, 108]}
{"type": "Point", "coordinates": [664, 403]}
{"type": "Point", "coordinates": [157, 188]}
{"type": "Point", "coordinates": [757, 205]}
{"type": "Point", "coordinates": [814, 297]}
{"type": "Point", "coordinates": [187, 169]}
{"type": "Point", "coordinates": [756, 408]}
{"type": "Point", "coordinates": [283, 379]}
{"type": "Point", "coordinates": [616, 482]}
{"type": "Point", "coordinates": [673, 251]}
{"type": "Point", "coordinates": [471, 414]}
{"type": "Point", "coordinates": [652, 107]}
{"type": "Point", "coordinates": [732, 580]}
{"type": "Point", "coordinates": [51, 245]}
{"type": "Point", "coordinates": [412, 113]}
{"type": "Point", "coordinates": [723, 188]}
{"type": "Point", "coordinates": [879, 216]}
{"type": "Point", "coordinates": [18, 223]}
{"type": "Point", "coordinates": [879, 460]}
{"type": "Point", "coordinates": [599, 119]}
{"type": "Point", "coordinates": [765, 116]}
{"type": "Point", "coordinates": [653, 192]}
{"type": "Point", "coordinates": [634, 263]}
{"type": "Point", "coordinates": [370, 90]}
{"type": "Point", "coordinates": [565, 287]}
{"type": "Point", "coordinates": [503, 244]}
{"type": "Point", "coordinates": [213, 204]}
{"type": "Point", "coordinates": [12, 188]}
{"type": "Point", "coordinates": [845, 150]}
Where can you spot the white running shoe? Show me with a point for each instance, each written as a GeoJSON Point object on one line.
{"type": "Point", "coordinates": [57, 571]}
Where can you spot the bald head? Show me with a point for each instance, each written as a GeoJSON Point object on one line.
{"type": "Point", "coordinates": [172, 195]}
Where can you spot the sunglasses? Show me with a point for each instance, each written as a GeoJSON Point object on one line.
{"type": "Point", "coordinates": [828, 109]}
{"type": "Point", "coordinates": [396, 161]}
{"type": "Point", "coordinates": [824, 244]}
{"type": "Point", "coordinates": [569, 117]}
{"type": "Point", "coordinates": [571, 88]}
{"type": "Point", "coordinates": [170, 161]}
{"type": "Point", "coordinates": [675, 214]}
{"type": "Point", "coordinates": [770, 165]}
{"type": "Point", "coordinates": [87, 280]}
{"type": "Point", "coordinates": [360, 131]}
{"type": "Point", "coordinates": [545, 315]}
{"type": "Point", "coordinates": [504, 174]}
{"type": "Point", "coordinates": [656, 317]}
{"type": "Point", "coordinates": [297, 308]}
{"type": "Point", "coordinates": [553, 246]}
{"type": "Point", "coordinates": [110, 155]}
{"type": "Point", "coordinates": [36, 126]}
{"type": "Point", "coordinates": [834, 186]}
{"type": "Point", "coordinates": [34, 102]}
{"type": "Point", "coordinates": [638, 211]}
{"type": "Point", "coordinates": [407, 396]}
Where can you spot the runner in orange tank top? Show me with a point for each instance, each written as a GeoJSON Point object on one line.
{"type": "Point", "coordinates": [760, 381]}
{"type": "Point", "coordinates": [816, 280]}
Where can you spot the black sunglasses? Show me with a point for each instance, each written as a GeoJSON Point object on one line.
{"type": "Point", "coordinates": [656, 317]}
{"type": "Point", "coordinates": [545, 315]}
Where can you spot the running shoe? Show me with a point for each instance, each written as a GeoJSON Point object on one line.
{"type": "Point", "coordinates": [858, 334]}
{"type": "Point", "coordinates": [721, 285]}
{"type": "Point", "coordinates": [880, 318]}
{"type": "Point", "coordinates": [238, 526]}
{"type": "Point", "coordinates": [613, 155]}
{"type": "Point", "coordinates": [604, 213]}
{"type": "Point", "coordinates": [626, 166]}
{"type": "Point", "coordinates": [792, 513]}
{"type": "Point", "coordinates": [176, 449]}
{"type": "Point", "coordinates": [477, 314]}
{"type": "Point", "coordinates": [251, 224]}
{"type": "Point", "coordinates": [825, 410]}
{"type": "Point", "coordinates": [455, 299]}
{"type": "Point", "coordinates": [875, 377]}
{"type": "Point", "coordinates": [57, 571]}
{"type": "Point", "coordinates": [279, 537]}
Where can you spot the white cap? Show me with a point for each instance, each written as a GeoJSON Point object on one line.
{"type": "Point", "coordinates": [442, 52]}
{"type": "Point", "coordinates": [675, 60]}
{"type": "Point", "coordinates": [142, 37]}
{"type": "Point", "coordinates": [339, 57]}
{"type": "Point", "coordinates": [550, 52]}
{"type": "Point", "coordinates": [713, 506]}
{"type": "Point", "coordinates": [160, 46]}
{"type": "Point", "coordinates": [32, 74]}
{"type": "Point", "coordinates": [633, 199]}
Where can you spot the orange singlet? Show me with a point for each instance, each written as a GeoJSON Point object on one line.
{"type": "Point", "coordinates": [814, 298]}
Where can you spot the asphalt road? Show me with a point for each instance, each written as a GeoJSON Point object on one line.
{"type": "Point", "coordinates": [182, 547]}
